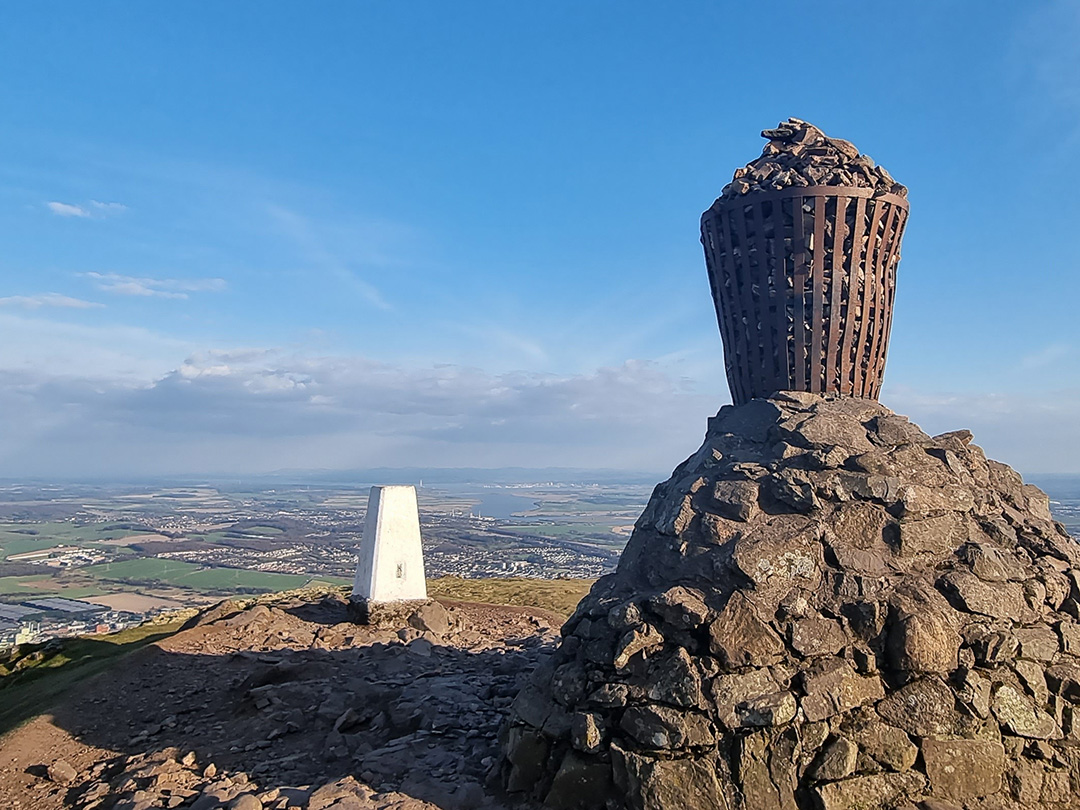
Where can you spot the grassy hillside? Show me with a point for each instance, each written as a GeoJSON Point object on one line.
{"type": "Point", "coordinates": [558, 595]}
{"type": "Point", "coordinates": [33, 677]}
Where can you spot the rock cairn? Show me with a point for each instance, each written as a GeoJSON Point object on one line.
{"type": "Point", "coordinates": [822, 607]}
{"type": "Point", "coordinates": [800, 154]}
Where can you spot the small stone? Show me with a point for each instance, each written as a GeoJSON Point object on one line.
{"type": "Point", "coordinates": [1016, 712]}
{"type": "Point", "coordinates": [833, 687]}
{"type": "Point", "coordinates": [586, 731]}
{"type": "Point", "coordinates": [634, 642]}
{"type": "Point", "coordinates": [62, 772]}
{"type": "Point", "coordinates": [661, 727]}
{"type": "Point", "coordinates": [856, 537]}
{"type": "Point", "coordinates": [739, 638]}
{"type": "Point", "coordinates": [876, 792]}
{"type": "Point", "coordinates": [888, 746]}
{"type": "Point", "coordinates": [817, 636]}
{"type": "Point", "coordinates": [794, 488]}
{"type": "Point", "coordinates": [681, 608]}
{"type": "Point", "coordinates": [923, 708]}
{"type": "Point", "coordinates": [779, 554]}
{"type": "Point", "coordinates": [246, 801]}
{"type": "Point", "coordinates": [894, 429]}
{"type": "Point", "coordinates": [731, 691]}
{"type": "Point", "coordinates": [974, 690]}
{"type": "Point", "coordinates": [609, 695]}
{"type": "Point", "coordinates": [735, 500]}
{"type": "Point", "coordinates": [990, 564]}
{"type": "Point", "coordinates": [346, 720]}
{"type": "Point", "coordinates": [1000, 600]}
{"type": "Point", "coordinates": [774, 709]}
{"type": "Point", "coordinates": [834, 429]}
{"type": "Point", "coordinates": [1064, 680]}
{"type": "Point", "coordinates": [963, 769]}
{"type": "Point", "coordinates": [1033, 679]}
{"type": "Point", "coordinates": [932, 537]}
{"type": "Point", "coordinates": [526, 751]}
{"type": "Point", "coordinates": [674, 680]}
{"type": "Point", "coordinates": [580, 783]}
{"type": "Point", "coordinates": [836, 761]}
{"type": "Point", "coordinates": [667, 784]}
{"type": "Point", "coordinates": [1039, 643]}
{"type": "Point", "coordinates": [431, 617]}
{"type": "Point", "coordinates": [918, 501]}
{"type": "Point", "coordinates": [1070, 637]}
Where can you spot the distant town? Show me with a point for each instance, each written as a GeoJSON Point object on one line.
{"type": "Point", "coordinates": [82, 559]}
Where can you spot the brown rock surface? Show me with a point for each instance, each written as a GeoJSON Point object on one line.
{"type": "Point", "coordinates": [862, 616]}
{"type": "Point", "coordinates": [290, 705]}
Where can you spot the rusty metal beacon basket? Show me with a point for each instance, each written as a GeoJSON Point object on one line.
{"type": "Point", "coordinates": [803, 279]}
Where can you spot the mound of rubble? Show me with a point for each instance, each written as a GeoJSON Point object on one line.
{"type": "Point", "coordinates": [800, 154]}
{"type": "Point", "coordinates": [289, 706]}
{"type": "Point", "coordinates": [822, 607]}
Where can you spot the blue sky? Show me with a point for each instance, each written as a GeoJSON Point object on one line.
{"type": "Point", "coordinates": [260, 235]}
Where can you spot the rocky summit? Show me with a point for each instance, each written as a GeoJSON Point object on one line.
{"type": "Point", "coordinates": [288, 705]}
{"type": "Point", "coordinates": [823, 607]}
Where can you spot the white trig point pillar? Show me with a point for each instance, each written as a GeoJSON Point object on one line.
{"type": "Point", "coordinates": [390, 571]}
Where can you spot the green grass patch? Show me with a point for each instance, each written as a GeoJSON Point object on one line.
{"type": "Point", "coordinates": [557, 595]}
{"type": "Point", "coordinates": [34, 677]}
{"type": "Point", "coordinates": [195, 577]}
{"type": "Point", "coordinates": [564, 529]}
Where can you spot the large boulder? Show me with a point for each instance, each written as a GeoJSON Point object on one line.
{"type": "Point", "coordinates": [822, 607]}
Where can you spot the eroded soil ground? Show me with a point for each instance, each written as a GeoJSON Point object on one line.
{"type": "Point", "coordinates": [288, 706]}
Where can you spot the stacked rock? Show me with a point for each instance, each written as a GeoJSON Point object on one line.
{"type": "Point", "coordinates": [822, 607]}
{"type": "Point", "coordinates": [800, 154]}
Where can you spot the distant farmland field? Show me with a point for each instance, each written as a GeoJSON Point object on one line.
{"type": "Point", "coordinates": [189, 575]}
{"type": "Point", "coordinates": [18, 538]}
{"type": "Point", "coordinates": [27, 587]}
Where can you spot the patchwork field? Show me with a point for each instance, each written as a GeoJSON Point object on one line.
{"type": "Point", "coordinates": [189, 575]}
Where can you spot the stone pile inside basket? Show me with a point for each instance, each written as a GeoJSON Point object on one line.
{"type": "Point", "coordinates": [800, 154]}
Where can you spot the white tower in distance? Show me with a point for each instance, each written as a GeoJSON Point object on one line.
{"type": "Point", "coordinates": [391, 564]}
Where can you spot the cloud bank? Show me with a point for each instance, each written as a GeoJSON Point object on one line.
{"type": "Point", "coordinates": [260, 411]}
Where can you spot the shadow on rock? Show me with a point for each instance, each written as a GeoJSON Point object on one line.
{"type": "Point", "coordinates": [296, 707]}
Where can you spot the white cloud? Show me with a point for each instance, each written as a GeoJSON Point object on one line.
{"type": "Point", "coordinates": [1034, 431]}
{"type": "Point", "coordinates": [80, 400]}
{"type": "Point", "coordinates": [94, 209]}
{"type": "Point", "coordinates": [115, 354]}
{"type": "Point", "coordinates": [47, 300]}
{"type": "Point", "coordinates": [271, 411]}
{"type": "Point", "coordinates": [67, 209]}
{"type": "Point", "coordinates": [176, 288]}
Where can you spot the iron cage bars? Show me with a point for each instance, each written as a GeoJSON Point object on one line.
{"type": "Point", "coordinates": [774, 259]}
